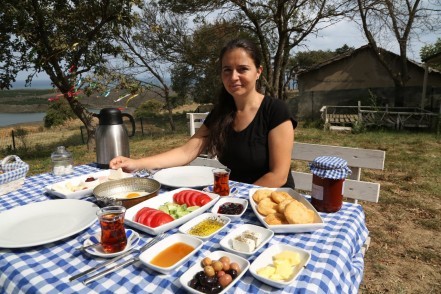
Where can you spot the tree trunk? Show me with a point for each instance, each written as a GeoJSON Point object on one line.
{"type": "Point", "coordinates": [87, 118]}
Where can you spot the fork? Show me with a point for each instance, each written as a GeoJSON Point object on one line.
{"type": "Point", "coordinates": [126, 263]}
{"type": "Point", "coordinates": [101, 265]}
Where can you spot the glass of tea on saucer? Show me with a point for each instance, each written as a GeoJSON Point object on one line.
{"type": "Point", "coordinates": [113, 233]}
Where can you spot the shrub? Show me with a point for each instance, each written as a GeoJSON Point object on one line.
{"type": "Point", "coordinates": [149, 108]}
{"type": "Point", "coordinates": [57, 113]}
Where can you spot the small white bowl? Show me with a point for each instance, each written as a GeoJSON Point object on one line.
{"type": "Point", "coordinates": [190, 224]}
{"type": "Point", "coordinates": [147, 256]}
{"type": "Point", "coordinates": [227, 242]}
{"type": "Point", "coordinates": [223, 200]}
{"type": "Point", "coordinates": [266, 258]}
{"type": "Point", "coordinates": [216, 255]}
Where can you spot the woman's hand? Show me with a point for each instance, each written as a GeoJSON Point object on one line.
{"type": "Point", "coordinates": [127, 164]}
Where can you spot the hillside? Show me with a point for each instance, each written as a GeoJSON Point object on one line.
{"type": "Point", "coordinates": [37, 100]}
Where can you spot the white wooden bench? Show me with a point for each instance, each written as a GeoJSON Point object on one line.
{"type": "Point", "coordinates": [357, 158]}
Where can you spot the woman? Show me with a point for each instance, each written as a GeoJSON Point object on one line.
{"type": "Point", "coordinates": [251, 134]}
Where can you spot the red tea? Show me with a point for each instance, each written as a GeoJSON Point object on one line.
{"type": "Point", "coordinates": [221, 179]}
{"type": "Point", "coordinates": [113, 234]}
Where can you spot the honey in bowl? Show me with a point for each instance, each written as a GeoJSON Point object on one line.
{"type": "Point", "coordinates": [172, 254]}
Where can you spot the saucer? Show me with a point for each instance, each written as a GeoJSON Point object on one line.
{"type": "Point", "coordinates": [209, 189]}
{"type": "Point", "coordinates": [132, 240]}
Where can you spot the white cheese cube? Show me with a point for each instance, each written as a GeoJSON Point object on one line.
{"type": "Point", "coordinates": [243, 244]}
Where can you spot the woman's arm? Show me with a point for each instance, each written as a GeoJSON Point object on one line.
{"type": "Point", "coordinates": [280, 141]}
{"type": "Point", "coordinates": [178, 156]}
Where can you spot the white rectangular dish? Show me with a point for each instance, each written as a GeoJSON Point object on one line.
{"type": "Point", "coordinates": [159, 200]}
{"type": "Point", "coordinates": [288, 228]}
{"type": "Point", "coordinates": [216, 255]}
{"type": "Point", "coordinates": [77, 187]}
{"type": "Point", "coordinates": [266, 259]}
{"type": "Point", "coordinates": [265, 236]}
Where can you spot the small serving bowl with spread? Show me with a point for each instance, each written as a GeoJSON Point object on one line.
{"type": "Point", "coordinates": [231, 207]}
{"type": "Point", "coordinates": [245, 240]}
{"type": "Point", "coordinates": [170, 253]}
{"type": "Point", "coordinates": [205, 225]}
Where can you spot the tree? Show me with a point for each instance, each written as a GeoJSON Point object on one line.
{"type": "Point", "coordinates": [386, 19]}
{"type": "Point", "coordinates": [431, 50]}
{"type": "Point", "coordinates": [64, 39]}
{"type": "Point", "coordinates": [196, 73]}
{"type": "Point", "coordinates": [278, 25]}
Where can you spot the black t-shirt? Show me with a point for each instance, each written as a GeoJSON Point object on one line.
{"type": "Point", "coordinates": [246, 152]}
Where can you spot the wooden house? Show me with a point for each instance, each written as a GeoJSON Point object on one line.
{"type": "Point", "coordinates": [358, 76]}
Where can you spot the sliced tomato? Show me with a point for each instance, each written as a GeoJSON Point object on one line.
{"type": "Point", "coordinates": [193, 199]}
{"type": "Point", "coordinates": [140, 212]}
{"type": "Point", "coordinates": [146, 214]}
{"type": "Point", "coordinates": [160, 219]}
{"type": "Point", "coordinates": [179, 197]}
{"type": "Point", "coordinates": [204, 200]}
{"type": "Point", "coordinates": [148, 219]}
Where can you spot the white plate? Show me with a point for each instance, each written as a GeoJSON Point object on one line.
{"type": "Point", "coordinates": [132, 241]}
{"type": "Point", "coordinates": [61, 190]}
{"type": "Point", "coordinates": [45, 222]}
{"type": "Point", "coordinates": [185, 176]}
{"type": "Point", "coordinates": [223, 200]}
{"type": "Point", "coordinates": [266, 258]}
{"type": "Point", "coordinates": [159, 200]}
{"type": "Point", "coordinates": [190, 224]}
{"type": "Point", "coordinates": [294, 228]}
{"type": "Point", "coordinates": [227, 242]}
{"type": "Point", "coordinates": [151, 253]}
{"type": "Point", "coordinates": [216, 255]}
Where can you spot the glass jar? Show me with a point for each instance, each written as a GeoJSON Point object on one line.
{"type": "Point", "coordinates": [329, 173]}
{"type": "Point", "coordinates": [62, 161]}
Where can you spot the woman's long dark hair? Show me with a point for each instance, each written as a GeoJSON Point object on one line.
{"type": "Point", "coordinates": [225, 109]}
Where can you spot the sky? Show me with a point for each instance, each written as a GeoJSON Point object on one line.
{"type": "Point", "coordinates": [335, 37]}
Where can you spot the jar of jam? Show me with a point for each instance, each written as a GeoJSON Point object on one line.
{"type": "Point", "coordinates": [329, 173]}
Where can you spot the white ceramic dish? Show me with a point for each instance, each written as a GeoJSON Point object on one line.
{"type": "Point", "coordinates": [185, 176]}
{"type": "Point", "coordinates": [147, 256]}
{"type": "Point", "coordinates": [266, 258]}
{"type": "Point", "coordinates": [227, 242]}
{"type": "Point", "coordinates": [223, 200]}
{"type": "Point", "coordinates": [61, 189]}
{"type": "Point", "coordinates": [159, 200]}
{"type": "Point", "coordinates": [132, 241]}
{"type": "Point", "coordinates": [45, 222]}
{"type": "Point", "coordinates": [190, 224]}
{"type": "Point", "coordinates": [289, 228]}
{"type": "Point", "coordinates": [216, 255]}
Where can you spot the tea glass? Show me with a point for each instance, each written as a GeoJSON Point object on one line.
{"type": "Point", "coordinates": [113, 234]}
{"type": "Point", "coordinates": [221, 181]}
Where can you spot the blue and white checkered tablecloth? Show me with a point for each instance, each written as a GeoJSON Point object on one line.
{"type": "Point", "coordinates": [336, 264]}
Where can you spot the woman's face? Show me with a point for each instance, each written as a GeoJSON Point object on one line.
{"type": "Point", "coordinates": [239, 73]}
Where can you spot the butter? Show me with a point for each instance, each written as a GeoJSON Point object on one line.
{"type": "Point", "coordinates": [282, 268]}
{"type": "Point", "coordinates": [292, 257]}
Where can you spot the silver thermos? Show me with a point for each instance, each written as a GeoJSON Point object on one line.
{"type": "Point", "coordinates": [111, 136]}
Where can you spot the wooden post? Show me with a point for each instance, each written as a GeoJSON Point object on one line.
{"type": "Point", "coordinates": [13, 140]}
{"type": "Point", "coordinates": [423, 95]}
{"type": "Point", "coordinates": [360, 117]}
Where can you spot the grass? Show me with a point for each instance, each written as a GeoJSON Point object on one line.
{"type": "Point", "coordinates": [404, 256]}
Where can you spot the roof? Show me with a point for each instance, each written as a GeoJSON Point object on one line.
{"type": "Point", "coordinates": [354, 52]}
